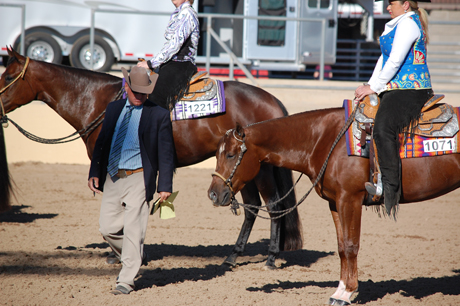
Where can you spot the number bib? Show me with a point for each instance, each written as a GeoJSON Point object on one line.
{"type": "Point", "coordinates": [191, 109]}
{"type": "Point", "coordinates": [198, 108]}
{"type": "Point", "coordinates": [439, 145]}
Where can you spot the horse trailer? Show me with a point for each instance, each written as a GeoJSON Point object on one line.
{"type": "Point", "coordinates": [59, 28]}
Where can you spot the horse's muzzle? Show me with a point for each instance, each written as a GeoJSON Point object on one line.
{"type": "Point", "coordinates": [219, 198]}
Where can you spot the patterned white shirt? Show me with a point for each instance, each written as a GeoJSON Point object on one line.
{"type": "Point", "coordinates": [182, 25]}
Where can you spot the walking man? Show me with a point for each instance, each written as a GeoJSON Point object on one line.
{"type": "Point", "coordinates": [134, 145]}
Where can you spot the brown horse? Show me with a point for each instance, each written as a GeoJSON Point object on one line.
{"type": "Point", "coordinates": [79, 96]}
{"type": "Point", "coordinates": [302, 142]}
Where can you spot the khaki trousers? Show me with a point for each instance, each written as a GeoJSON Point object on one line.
{"type": "Point", "coordinates": [123, 222]}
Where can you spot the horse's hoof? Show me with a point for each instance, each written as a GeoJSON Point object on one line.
{"type": "Point", "coordinates": [269, 268]}
{"type": "Point", "coordinates": [337, 302]}
{"type": "Point", "coordinates": [229, 265]}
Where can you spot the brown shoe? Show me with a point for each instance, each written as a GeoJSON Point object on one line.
{"type": "Point", "coordinates": [120, 290]}
{"type": "Point", "coordinates": [112, 259]}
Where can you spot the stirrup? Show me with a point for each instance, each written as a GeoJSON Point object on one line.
{"type": "Point", "coordinates": [375, 189]}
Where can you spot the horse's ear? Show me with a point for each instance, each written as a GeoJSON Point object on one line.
{"type": "Point", "coordinates": [9, 50]}
{"type": "Point", "coordinates": [13, 53]}
{"type": "Point", "coordinates": [239, 130]}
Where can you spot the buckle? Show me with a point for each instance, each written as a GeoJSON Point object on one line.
{"type": "Point", "coordinates": [122, 173]}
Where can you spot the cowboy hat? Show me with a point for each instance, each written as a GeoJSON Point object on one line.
{"type": "Point", "coordinates": [139, 81]}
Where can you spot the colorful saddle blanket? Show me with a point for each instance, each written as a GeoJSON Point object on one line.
{"type": "Point", "coordinates": [205, 97]}
{"type": "Point", "coordinates": [422, 144]}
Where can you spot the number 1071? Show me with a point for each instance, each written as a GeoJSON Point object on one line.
{"type": "Point", "coordinates": [437, 145]}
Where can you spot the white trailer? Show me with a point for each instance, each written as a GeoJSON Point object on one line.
{"type": "Point", "coordinates": [57, 28]}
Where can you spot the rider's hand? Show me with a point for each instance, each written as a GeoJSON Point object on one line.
{"type": "Point", "coordinates": [143, 64]}
{"type": "Point", "coordinates": [362, 91]}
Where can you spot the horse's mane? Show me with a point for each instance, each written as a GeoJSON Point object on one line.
{"type": "Point", "coordinates": [84, 73]}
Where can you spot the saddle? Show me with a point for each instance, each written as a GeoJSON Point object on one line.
{"type": "Point", "coordinates": [201, 88]}
{"type": "Point", "coordinates": [436, 120]}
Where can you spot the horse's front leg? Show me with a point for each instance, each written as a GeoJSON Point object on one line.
{"type": "Point", "coordinates": [250, 195]}
{"type": "Point", "coordinates": [347, 221]}
{"type": "Point", "coordinates": [266, 184]}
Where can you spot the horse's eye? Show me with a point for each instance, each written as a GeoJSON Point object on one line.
{"type": "Point", "coordinates": [230, 155]}
{"type": "Point", "coordinates": [8, 79]}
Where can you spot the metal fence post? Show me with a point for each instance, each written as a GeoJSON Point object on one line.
{"type": "Point", "coordinates": [91, 39]}
{"type": "Point", "coordinates": [321, 56]}
{"type": "Point", "coordinates": [208, 43]}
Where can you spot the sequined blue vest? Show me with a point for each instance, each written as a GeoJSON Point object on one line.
{"type": "Point", "coordinates": [413, 73]}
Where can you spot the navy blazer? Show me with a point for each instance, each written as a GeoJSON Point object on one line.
{"type": "Point", "coordinates": [156, 145]}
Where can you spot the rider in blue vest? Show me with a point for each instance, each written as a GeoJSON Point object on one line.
{"type": "Point", "coordinates": [403, 83]}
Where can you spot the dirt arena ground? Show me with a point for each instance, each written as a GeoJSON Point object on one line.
{"type": "Point", "coordinates": [51, 252]}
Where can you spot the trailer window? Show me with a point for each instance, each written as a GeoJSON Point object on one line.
{"type": "Point", "coordinates": [271, 32]}
{"type": "Point", "coordinates": [319, 4]}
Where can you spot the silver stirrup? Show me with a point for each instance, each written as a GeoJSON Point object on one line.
{"type": "Point", "coordinates": [375, 189]}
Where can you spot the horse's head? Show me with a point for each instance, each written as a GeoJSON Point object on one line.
{"type": "Point", "coordinates": [14, 88]}
{"type": "Point", "coordinates": [236, 165]}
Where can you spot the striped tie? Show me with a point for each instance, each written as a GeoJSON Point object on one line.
{"type": "Point", "coordinates": [115, 152]}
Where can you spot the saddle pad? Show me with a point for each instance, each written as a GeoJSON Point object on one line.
{"type": "Point", "coordinates": [419, 146]}
{"type": "Point", "coordinates": [186, 109]}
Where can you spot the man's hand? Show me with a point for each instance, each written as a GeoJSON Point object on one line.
{"type": "Point", "coordinates": [93, 183]}
{"type": "Point", "coordinates": [164, 195]}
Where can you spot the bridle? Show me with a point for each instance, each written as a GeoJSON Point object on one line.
{"type": "Point", "coordinates": [21, 75]}
{"type": "Point", "coordinates": [281, 213]}
{"type": "Point", "coordinates": [234, 203]}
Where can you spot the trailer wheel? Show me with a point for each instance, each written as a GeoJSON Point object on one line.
{"type": "Point", "coordinates": [4, 60]}
{"type": "Point", "coordinates": [42, 46]}
{"type": "Point", "coordinates": [103, 57]}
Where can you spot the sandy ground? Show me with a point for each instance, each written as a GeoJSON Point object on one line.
{"type": "Point", "coordinates": [51, 252]}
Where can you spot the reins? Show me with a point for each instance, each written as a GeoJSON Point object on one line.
{"type": "Point", "coordinates": [76, 135]}
{"type": "Point", "coordinates": [234, 206]}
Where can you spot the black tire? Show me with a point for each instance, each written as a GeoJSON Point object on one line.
{"type": "Point", "coordinates": [42, 46]}
{"type": "Point", "coordinates": [80, 54]}
{"type": "Point", "coordinates": [4, 60]}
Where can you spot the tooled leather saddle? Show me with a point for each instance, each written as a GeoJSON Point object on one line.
{"type": "Point", "coordinates": [436, 120]}
{"type": "Point", "coordinates": [201, 88]}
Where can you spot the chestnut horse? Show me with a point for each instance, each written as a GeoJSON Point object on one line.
{"type": "Point", "coordinates": [302, 142]}
{"type": "Point", "coordinates": [79, 96]}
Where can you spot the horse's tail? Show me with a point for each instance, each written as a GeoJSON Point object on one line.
{"type": "Point", "coordinates": [5, 182]}
{"type": "Point", "coordinates": [291, 227]}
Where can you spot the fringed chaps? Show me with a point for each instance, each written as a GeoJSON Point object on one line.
{"type": "Point", "coordinates": [172, 84]}
{"type": "Point", "coordinates": [397, 110]}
